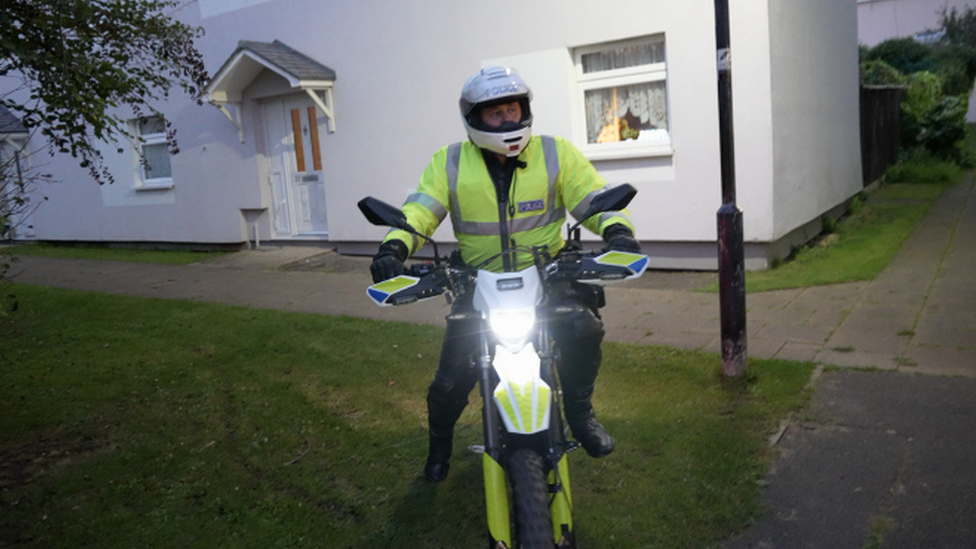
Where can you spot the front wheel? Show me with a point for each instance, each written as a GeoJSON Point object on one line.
{"type": "Point", "coordinates": [530, 495]}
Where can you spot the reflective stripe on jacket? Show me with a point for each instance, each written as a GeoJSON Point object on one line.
{"type": "Point", "coordinates": [556, 177]}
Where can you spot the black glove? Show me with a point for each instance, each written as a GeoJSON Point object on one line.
{"type": "Point", "coordinates": [620, 238]}
{"type": "Point", "coordinates": [388, 261]}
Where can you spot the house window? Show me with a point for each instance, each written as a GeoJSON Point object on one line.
{"type": "Point", "coordinates": [624, 98]}
{"type": "Point", "coordinates": [154, 154]}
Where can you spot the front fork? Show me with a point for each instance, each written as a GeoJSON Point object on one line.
{"type": "Point", "coordinates": [561, 502]}
{"type": "Point", "coordinates": [496, 488]}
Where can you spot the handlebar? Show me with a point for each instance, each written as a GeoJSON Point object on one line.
{"type": "Point", "coordinates": [569, 263]}
{"type": "Point", "coordinates": [453, 277]}
{"type": "Point", "coordinates": [420, 270]}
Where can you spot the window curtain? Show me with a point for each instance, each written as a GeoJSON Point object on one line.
{"type": "Point", "coordinates": [156, 161]}
{"type": "Point", "coordinates": [646, 102]}
{"type": "Point", "coordinates": [632, 55]}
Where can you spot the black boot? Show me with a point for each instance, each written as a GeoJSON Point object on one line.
{"type": "Point", "coordinates": [586, 429]}
{"type": "Point", "coordinates": [439, 456]}
{"type": "Point", "coordinates": [591, 434]}
{"type": "Point", "coordinates": [443, 412]}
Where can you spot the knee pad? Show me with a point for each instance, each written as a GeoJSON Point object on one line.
{"type": "Point", "coordinates": [576, 321]}
{"type": "Point", "coordinates": [451, 388]}
{"type": "Point", "coordinates": [585, 324]}
{"type": "Point", "coordinates": [446, 400]}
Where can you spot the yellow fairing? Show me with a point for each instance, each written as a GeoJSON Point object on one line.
{"type": "Point", "coordinates": [562, 503]}
{"type": "Point", "coordinates": [524, 407]}
{"type": "Point", "coordinates": [496, 501]}
{"type": "Point", "coordinates": [522, 397]}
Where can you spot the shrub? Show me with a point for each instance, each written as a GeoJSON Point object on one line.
{"type": "Point", "coordinates": [953, 62]}
{"type": "Point", "coordinates": [878, 73]}
{"type": "Point", "coordinates": [933, 120]}
{"type": "Point", "coordinates": [960, 27]}
{"type": "Point", "coordinates": [945, 127]}
{"type": "Point", "coordinates": [904, 54]}
{"type": "Point", "coordinates": [923, 93]}
{"type": "Point", "coordinates": [956, 67]}
{"type": "Point", "coordinates": [938, 78]}
{"type": "Point", "coordinates": [828, 224]}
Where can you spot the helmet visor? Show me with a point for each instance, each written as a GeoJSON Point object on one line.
{"type": "Point", "coordinates": [475, 119]}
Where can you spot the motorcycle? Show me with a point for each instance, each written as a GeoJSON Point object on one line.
{"type": "Point", "coordinates": [528, 496]}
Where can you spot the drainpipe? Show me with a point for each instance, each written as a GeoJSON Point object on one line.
{"type": "Point", "coordinates": [731, 256]}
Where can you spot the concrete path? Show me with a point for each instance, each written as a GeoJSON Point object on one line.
{"type": "Point", "coordinates": [880, 455]}
{"type": "Point", "coordinates": [883, 460]}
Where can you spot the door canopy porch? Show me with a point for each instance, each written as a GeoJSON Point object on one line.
{"type": "Point", "coordinates": [12, 130]}
{"type": "Point", "coordinates": [250, 59]}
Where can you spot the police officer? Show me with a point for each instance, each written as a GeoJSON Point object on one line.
{"type": "Point", "coordinates": [506, 187]}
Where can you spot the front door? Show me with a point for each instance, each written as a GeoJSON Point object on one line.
{"type": "Point", "coordinates": [295, 162]}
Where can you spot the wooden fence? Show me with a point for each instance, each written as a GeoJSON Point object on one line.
{"type": "Point", "coordinates": [880, 129]}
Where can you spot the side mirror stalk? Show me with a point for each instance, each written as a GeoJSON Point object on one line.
{"type": "Point", "coordinates": [610, 200]}
{"type": "Point", "coordinates": [382, 214]}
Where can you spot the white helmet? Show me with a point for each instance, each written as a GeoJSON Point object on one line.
{"type": "Point", "coordinates": [490, 86]}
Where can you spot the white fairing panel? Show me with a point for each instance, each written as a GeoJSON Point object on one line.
{"type": "Point", "coordinates": [500, 291]}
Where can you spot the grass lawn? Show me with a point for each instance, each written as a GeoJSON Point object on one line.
{"type": "Point", "coordinates": [173, 257]}
{"type": "Point", "coordinates": [863, 243]}
{"type": "Point", "coordinates": [133, 422]}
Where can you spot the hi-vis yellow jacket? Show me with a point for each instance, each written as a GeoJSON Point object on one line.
{"type": "Point", "coordinates": [557, 177]}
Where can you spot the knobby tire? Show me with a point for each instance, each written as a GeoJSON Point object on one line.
{"type": "Point", "coordinates": [530, 495]}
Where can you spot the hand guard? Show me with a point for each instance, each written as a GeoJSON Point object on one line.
{"type": "Point", "coordinates": [388, 261]}
{"type": "Point", "coordinates": [619, 237]}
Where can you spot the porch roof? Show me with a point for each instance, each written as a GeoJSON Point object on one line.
{"type": "Point", "coordinates": [10, 125]}
{"type": "Point", "coordinates": [250, 58]}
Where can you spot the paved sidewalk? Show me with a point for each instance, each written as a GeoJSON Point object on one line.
{"type": "Point", "coordinates": [877, 456]}
{"type": "Point", "coordinates": [878, 452]}
{"type": "Point", "coordinates": [880, 459]}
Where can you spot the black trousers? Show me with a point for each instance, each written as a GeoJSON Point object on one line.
{"type": "Point", "coordinates": [578, 334]}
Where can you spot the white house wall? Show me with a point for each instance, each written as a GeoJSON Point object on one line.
{"type": "Point", "coordinates": [397, 88]}
{"type": "Point", "coordinates": [680, 193]}
{"type": "Point", "coordinates": [753, 118]}
{"type": "Point", "coordinates": [400, 66]}
{"type": "Point", "coordinates": [814, 102]}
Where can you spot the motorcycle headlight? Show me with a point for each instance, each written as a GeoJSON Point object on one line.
{"type": "Point", "coordinates": [513, 326]}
